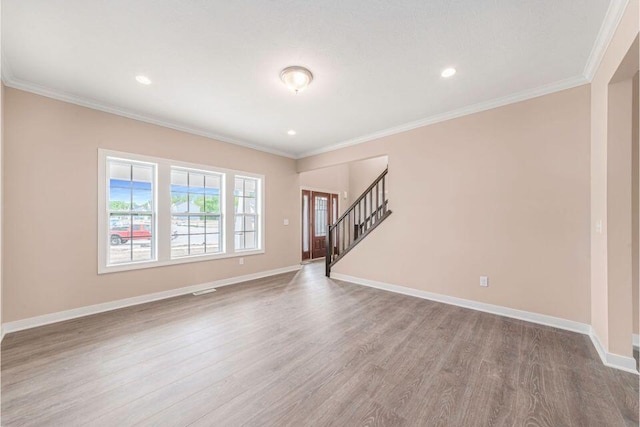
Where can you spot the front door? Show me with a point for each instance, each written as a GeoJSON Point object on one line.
{"type": "Point", "coordinates": [318, 211]}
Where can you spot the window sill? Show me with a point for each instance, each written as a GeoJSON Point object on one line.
{"type": "Point", "coordinates": [185, 260]}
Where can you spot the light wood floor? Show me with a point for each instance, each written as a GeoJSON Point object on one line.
{"type": "Point", "coordinates": [297, 350]}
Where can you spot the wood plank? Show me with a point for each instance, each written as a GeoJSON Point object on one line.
{"type": "Point", "coordinates": [301, 349]}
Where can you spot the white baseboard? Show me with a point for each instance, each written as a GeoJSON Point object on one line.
{"type": "Point", "coordinates": [60, 316]}
{"type": "Point", "coordinates": [636, 341]}
{"type": "Point", "coordinates": [612, 360]}
{"type": "Point", "coordinates": [624, 363]}
{"type": "Point", "coordinates": [528, 316]}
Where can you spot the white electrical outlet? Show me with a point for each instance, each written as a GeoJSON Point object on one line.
{"type": "Point", "coordinates": [484, 281]}
{"type": "Point", "coordinates": [286, 221]}
{"type": "Point", "coordinates": [241, 261]}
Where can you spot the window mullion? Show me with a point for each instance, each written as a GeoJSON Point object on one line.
{"type": "Point", "coordinates": [229, 218]}
{"type": "Point", "coordinates": [163, 212]}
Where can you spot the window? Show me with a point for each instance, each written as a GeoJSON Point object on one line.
{"type": "Point", "coordinates": [246, 213]}
{"type": "Point", "coordinates": [155, 212]}
{"type": "Point", "coordinates": [131, 211]}
{"type": "Point", "coordinates": [196, 220]}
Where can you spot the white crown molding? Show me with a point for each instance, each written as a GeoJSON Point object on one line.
{"type": "Point", "coordinates": [10, 80]}
{"type": "Point", "coordinates": [605, 35]}
{"type": "Point", "coordinates": [623, 363]}
{"type": "Point", "coordinates": [60, 316]}
{"type": "Point", "coordinates": [460, 112]}
{"type": "Point", "coordinates": [13, 82]}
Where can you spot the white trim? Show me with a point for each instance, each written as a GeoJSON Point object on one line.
{"type": "Point", "coordinates": [636, 341]}
{"type": "Point", "coordinates": [605, 35]}
{"type": "Point", "coordinates": [60, 316]}
{"type": "Point", "coordinates": [464, 111]}
{"type": "Point", "coordinates": [13, 82]}
{"type": "Point", "coordinates": [623, 363]}
{"type": "Point", "coordinates": [163, 167]}
{"type": "Point", "coordinates": [528, 316]}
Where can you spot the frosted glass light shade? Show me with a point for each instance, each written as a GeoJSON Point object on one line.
{"type": "Point", "coordinates": [296, 78]}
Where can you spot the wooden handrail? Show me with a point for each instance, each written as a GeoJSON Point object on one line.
{"type": "Point", "coordinates": [359, 199]}
{"type": "Point", "coordinates": [350, 228]}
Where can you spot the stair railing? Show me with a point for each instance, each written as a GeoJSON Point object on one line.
{"type": "Point", "coordinates": [364, 215]}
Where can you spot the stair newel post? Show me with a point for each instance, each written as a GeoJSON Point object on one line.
{"type": "Point", "coordinates": [329, 248]}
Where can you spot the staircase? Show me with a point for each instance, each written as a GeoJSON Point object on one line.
{"type": "Point", "coordinates": [362, 217]}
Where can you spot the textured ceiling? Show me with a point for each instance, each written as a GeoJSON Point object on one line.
{"type": "Point", "coordinates": [215, 64]}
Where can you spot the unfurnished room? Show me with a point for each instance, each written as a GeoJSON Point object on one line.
{"type": "Point", "coordinates": [319, 213]}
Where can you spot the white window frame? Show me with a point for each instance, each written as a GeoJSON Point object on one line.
{"type": "Point", "coordinates": [258, 214]}
{"type": "Point", "coordinates": [222, 205]}
{"type": "Point", "coordinates": [162, 198]}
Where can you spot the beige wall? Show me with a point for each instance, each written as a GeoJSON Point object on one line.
{"type": "Point", "coordinates": [619, 216]}
{"type": "Point", "coordinates": [362, 173]}
{"type": "Point", "coordinates": [51, 153]}
{"type": "Point", "coordinates": [503, 193]}
{"type": "Point", "coordinates": [601, 312]}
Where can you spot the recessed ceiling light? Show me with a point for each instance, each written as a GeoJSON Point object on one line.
{"type": "Point", "coordinates": [291, 132]}
{"type": "Point", "coordinates": [296, 78]}
{"type": "Point", "coordinates": [143, 80]}
{"type": "Point", "coordinates": [448, 72]}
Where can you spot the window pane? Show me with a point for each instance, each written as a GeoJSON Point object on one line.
{"type": "Point", "coordinates": [119, 232]}
{"type": "Point", "coordinates": [142, 177]}
{"type": "Point", "coordinates": [196, 180]}
{"type": "Point", "coordinates": [250, 240]}
{"type": "Point", "coordinates": [321, 220]}
{"type": "Point", "coordinates": [212, 224]}
{"type": "Point", "coordinates": [197, 245]}
{"type": "Point", "coordinates": [239, 240]}
{"type": "Point", "coordinates": [178, 180]}
{"type": "Point", "coordinates": [142, 200]}
{"type": "Point", "coordinates": [179, 236]}
{"type": "Point", "coordinates": [250, 205]}
{"type": "Point", "coordinates": [212, 204]}
{"type": "Point", "coordinates": [239, 187]}
{"type": "Point", "coordinates": [239, 223]}
{"type": "Point", "coordinates": [213, 243]}
{"type": "Point", "coordinates": [212, 181]}
{"type": "Point", "coordinates": [119, 197]}
{"type": "Point", "coordinates": [250, 187]}
{"type": "Point", "coordinates": [130, 236]}
{"type": "Point", "coordinates": [196, 203]}
{"type": "Point", "coordinates": [179, 202]}
{"type": "Point", "coordinates": [196, 225]}
{"type": "Point", "coordinates": [239, 204]}
{"type": "Point", "coordinates": [249, 223]}
{"type": "Point", "coordinates": [120, 172]}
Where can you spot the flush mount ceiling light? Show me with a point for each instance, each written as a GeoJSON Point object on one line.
{"type": "Point", "coordinates": [296, 78]}
{"type": "Point", "coordinates": [291, 132]}
{"type": "Point", "coordinates": [448, 72]}
{"type": "Point", "coordinates": [143, 79]}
